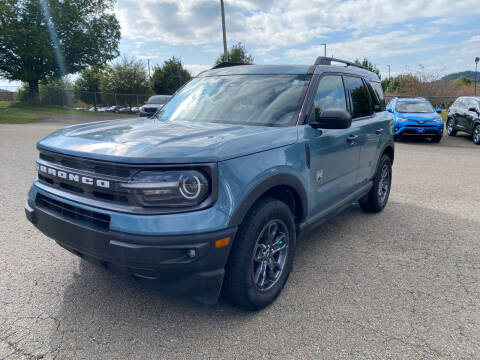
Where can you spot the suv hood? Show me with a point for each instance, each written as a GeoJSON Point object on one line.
{"type": "Point", "coordinates": [419, 116]}
{"type": "Point", "coordinates": [154, 141]}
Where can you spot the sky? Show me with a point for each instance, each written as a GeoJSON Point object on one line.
{"type": "Point", "coordinates": [441, 35]}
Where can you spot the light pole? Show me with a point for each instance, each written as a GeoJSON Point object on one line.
{"type": "Point", "coordinates": [225, 51]}
{"type": "Point", "coordinates": [477, 59]}
{"type": "Point", "coordinates": [325, 50]}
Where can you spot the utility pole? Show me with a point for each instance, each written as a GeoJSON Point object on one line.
{"type": "Point", "coordinates": [225, 51]}
{"type": "Point", "coordinates": [477, 59]}
{"type": "Point", "coordinates": [325, 50]}
{"type": "Point", "coordinates": [148, 62]}
{"type": "Point", "coordinates": [388, 71]}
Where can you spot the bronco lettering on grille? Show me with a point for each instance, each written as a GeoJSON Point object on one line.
{"type": "Point", "coordinates": [80, 179]}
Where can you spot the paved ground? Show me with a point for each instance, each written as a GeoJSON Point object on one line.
{"type": "Point", "coordinates": [400, 284]}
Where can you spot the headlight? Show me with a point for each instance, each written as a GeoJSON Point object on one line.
{"type": "Point", "coordinates": [401, 119]}
{"type": "Point", "coordinates": [172, 188]}
{"type": "Point", "coordinates": [438, 120]}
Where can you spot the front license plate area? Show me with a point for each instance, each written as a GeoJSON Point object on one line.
{"type": "Point", "coordinates": [420, 130]}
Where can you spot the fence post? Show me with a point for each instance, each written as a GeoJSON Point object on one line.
{"type": "Point", "coordinates": [116, 103]}
{"type": "Point", "coordinates": [95, 95]}
{"type": "Point", "coordinates": [137, 100]}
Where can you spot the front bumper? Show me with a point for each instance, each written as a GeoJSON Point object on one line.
{"type": "Point", "coordinates": [187, 265]}
{"type": "Point", "coordinates": [415, 129]}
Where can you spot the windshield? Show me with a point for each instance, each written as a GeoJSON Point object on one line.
{"type": "Point", "coordinates": [269, 100]}
{"type": "Point", "coordinates": [414, 107]}
{"type": "Point", "coordinates": [159, 99]}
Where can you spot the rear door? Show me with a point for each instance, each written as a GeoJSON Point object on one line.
{"type": "Point", "coordinates": [334, 154]}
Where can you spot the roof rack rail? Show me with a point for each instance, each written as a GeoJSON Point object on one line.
{"type": "Point", "coordinates": [323, 60]}
{"type": "Point", "coordinates": [227, 64]}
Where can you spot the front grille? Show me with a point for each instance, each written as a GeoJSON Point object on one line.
{"type": "Point", "coordinates": [90, 168]}
{"type": "Point", "coordinates": [87, 217]}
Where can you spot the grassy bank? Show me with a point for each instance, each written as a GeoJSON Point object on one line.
{"type": "Point", "coordinates": [21, 113]}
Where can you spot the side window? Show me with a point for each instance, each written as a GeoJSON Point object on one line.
{"type": "Point", "coordinates": [376, 93]}
{"type": "Point", "coordinates": [359, 95]}
{"type": "Point", "coordinates": [330, 94]}
{"type": "Point", "coordinates": [472, 103]}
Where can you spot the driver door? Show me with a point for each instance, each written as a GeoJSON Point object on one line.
{"type": "Point", "coordinates": [335, 154]}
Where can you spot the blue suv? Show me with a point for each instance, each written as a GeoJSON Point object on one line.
{"type": "Point", "coordinates": [416, 117]}
{"type": "Point", "coordinates": [216, 188]}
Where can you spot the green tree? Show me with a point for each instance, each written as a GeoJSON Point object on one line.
{"type": "Point", "coordinates": [369, 65]}
{"type": "Point", "coordinates": [88, 83]}
{"type": "Point", "coordinates": [126, 76]}
{"type": "Point", "coordinates": [170, 77]}
{"type": "Point", "coordinates": [42, 39]}
{"type": "Point", "coordinates": [463, 80]}
{"type": "Point", "coordinates": [237, 54]}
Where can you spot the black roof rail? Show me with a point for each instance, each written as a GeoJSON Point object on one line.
{"type": "Point", "coordinates": [227, 64]}
{"type": "Point", "coordinates": [323, 60]}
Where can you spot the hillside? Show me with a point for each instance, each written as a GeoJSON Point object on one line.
{"type": "Point", "coordinates": [468, 74]}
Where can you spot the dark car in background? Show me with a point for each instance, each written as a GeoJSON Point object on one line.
{"type": "Point", "coordinates": [464, 115]}
{"type": "Point", "coordinates": [153, 104]}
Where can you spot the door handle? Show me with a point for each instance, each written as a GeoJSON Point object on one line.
{"type": "Point", "coordinates": [352, 138]}
{"type": "Point", "coordinates": [379, 131]}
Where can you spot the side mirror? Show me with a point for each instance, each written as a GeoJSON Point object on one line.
{"type": "Point", "coordinates": [473, 109]}
{"type": "Point", "coordinates": [332, 119]}
{"type": "Point", "coordinates": [390, 110]}
{"type": "Point", "coordinates": [439, 111]}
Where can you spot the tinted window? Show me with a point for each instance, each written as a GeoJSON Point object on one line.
{"type": "Point", "coordinates": [414, 107]}
{"type": "Point", "coordinates": [158, 99]}
{"type": "Point", "coordinates": [239, 99]}
{"type": "Point", "coordinates": [378, 98]}
{"type": "Point", "coordinates": [459, 103]}
{"type": "Point", "coordinates": [330, 94]}
{"type": "Point", "coordinates": [359, 95]}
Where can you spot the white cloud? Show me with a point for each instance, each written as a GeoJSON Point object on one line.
{"type": "Point", "coordinates": [378, 46]}
{"type": "Point", "coordinates": [272, 24]}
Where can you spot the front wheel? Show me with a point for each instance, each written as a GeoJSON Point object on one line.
{"type": "Point", "coordinates": [262, 255]}
{"type": "Point", "coordinates": [451, 128]}
{"type": "Point", "coordinates": [476, 135]}
{"type": "Point", "coordinates": [377, 198]}
{"type": "Point", "coordinates": [436, 139]}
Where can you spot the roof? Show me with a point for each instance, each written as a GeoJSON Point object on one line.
{"type": "Point", "coordinates": [258, 70]}
{"type": "Point", "coordinates": [287, 70]}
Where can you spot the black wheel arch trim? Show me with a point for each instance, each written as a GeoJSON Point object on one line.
{"type": "Point", "coordinates": [264, 186]}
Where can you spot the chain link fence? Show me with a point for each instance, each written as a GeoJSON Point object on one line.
{"type": "Point", "coordinates": [74, 98]}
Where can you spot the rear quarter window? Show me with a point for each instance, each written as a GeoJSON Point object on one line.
{"type": "Point", "coordinates": [378, 98]}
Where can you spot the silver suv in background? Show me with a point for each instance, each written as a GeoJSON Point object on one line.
{"type": "Point", "coordinates": [153, 104]}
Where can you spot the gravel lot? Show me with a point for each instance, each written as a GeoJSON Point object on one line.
{"type": "Point", "coordinates": [400, 284]}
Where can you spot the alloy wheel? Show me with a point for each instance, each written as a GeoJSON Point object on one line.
{"type": "Point", "coordinates": [384, 184]}
{"type": "Point", "coordinates": [270, 254]}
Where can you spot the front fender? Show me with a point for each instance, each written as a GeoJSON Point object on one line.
{"type": "Point", "coordinates": [262, 187]}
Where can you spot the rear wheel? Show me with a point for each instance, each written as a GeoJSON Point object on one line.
{"type": "Point", "coordinates": [377, 198]}
{"type": "Point", "coordinates": [451, 128]}
{"type": "Point", "coordinates": [262, 255]}
{"type": "Point", "coordinates": [476, 135]}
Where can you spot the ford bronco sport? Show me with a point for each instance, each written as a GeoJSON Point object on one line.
{"type": "Point", "coordinates": [216, 188]}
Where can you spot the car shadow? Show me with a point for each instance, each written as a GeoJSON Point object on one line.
{"type": "Point", "coordinates": [345, 269]}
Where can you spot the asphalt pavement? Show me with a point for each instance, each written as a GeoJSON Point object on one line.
{"type": "Point", "coordinates": [402, 284]}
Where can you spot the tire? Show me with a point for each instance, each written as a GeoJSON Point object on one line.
{"type": "Point", "coordinates": [451, 128]}
{"type": "Point", "coordinates": [250, 281]}
{"type": "Point", "coordinates": [476, 135]}
{"type": "Point", "coordinates": [376, 200]}
{"type": "Point", "coordinates": [395, 137]}
{"type": "Point", "coordinates": [436, 139]}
